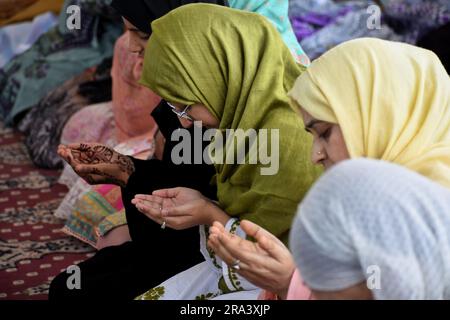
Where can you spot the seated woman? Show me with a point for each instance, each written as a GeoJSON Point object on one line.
{"type": "Point", "coordinates": [230, 75]}
{"type": "Point", "coordinates": [381, 116]}
{"type": "Point", "coordinates": [98, 164]}
{"type": "Point", "coordinates": [382, 233]}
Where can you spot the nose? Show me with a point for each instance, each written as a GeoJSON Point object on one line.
{"type": "Point", "coordinates": [185, 123]}
{"type": "Point", "coordinates": [318, 154]}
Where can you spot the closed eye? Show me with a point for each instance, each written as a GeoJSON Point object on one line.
{"type": "Point", "coordinates": [326, 134]}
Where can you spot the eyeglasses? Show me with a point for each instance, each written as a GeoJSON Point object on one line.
{"type": "Point", "coordinates": [181, 114]}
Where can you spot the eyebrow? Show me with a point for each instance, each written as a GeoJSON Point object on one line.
{"type": "Point", "coordinates": [310, 125]}
{"type": "Point", "coordinates": [138, 31]}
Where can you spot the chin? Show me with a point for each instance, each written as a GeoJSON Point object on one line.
{"type": "Point", "coordinates": [328, 165]}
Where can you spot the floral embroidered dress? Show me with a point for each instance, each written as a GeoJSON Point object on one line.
{"type": "Point", "coordinates": [199, 283]}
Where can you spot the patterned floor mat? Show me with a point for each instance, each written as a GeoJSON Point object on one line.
{"type": "Point", "coordinates": [33, 249]}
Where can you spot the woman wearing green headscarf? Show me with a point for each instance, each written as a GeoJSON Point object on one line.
{"type": "Point", "coordinates": [231, 70]}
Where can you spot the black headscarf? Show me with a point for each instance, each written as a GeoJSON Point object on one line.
{"type": "Point", "coordinates": [437, 41]}
{"type": "Point", "coordinates": [141, 13]}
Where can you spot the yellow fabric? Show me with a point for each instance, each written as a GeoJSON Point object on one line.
{"type": "Point", "coordinates": [391, 100]}
{"type": "Point", "coordinates": [33, 10]}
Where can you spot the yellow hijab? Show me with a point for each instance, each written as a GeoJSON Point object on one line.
{"type": "Point", "coordinates": [236, 64]}
{"type": "Point", "coordinates": [391, 100]}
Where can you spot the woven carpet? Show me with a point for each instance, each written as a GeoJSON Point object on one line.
{"type": "Point", "coordinates": [33, 250]}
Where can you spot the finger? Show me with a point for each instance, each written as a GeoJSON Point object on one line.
{"type": "Point", "coordinates": [171, 222]}
{"type": "Point", "coordinates": [219, 226]}
{"type": "Point", "coordinates": [265, 239]}
{"type": "Point", "coordinates": [63, 152]}
{"type": "Point", "coordinates": [81, 146]}
{"type": "Point", "coordinates": [213, 242]}
{"type": "Point", "coordinates": [106, 169]}
{"type": "Point", "coordinates": [152, 213]}
{"type": "Point", "coordinates": [62, 146]}
{"type": "Point", "coordinates": [224, 254]}
{"type": "Point", "coordinates": [243, 269]}
{"type": "Point", "coordinates": [74, 146]}
{"type": "Point", "coordinates": [167, 193]}
{"type": "Point", "coordinates": [61, 149]}
{"type": "Point", "coordinates": [215, 230]}
{"type": "Point", "coordinates": [251, 229]}
{"type": "Point", "coordinates": [242, 249]}
{"type": "Point", "coordinates": [150, 204]}
{"type": "Point", "coordinates": [70, 159]}
{"type": "Point", "coordinates": [278, 251]}
{"type": "Point", "coordinates": [256, 231]}
{"type": "Point", "coordinates": [150, 198]}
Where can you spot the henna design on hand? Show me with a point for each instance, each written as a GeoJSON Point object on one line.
{"type": "Point", "coordinates": [99, 154]}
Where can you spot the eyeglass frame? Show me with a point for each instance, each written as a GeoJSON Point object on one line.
{"type": "Point", "coordinates": [181, 114]}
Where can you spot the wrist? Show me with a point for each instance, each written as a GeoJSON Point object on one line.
{"type": "Point", "coordinates": [123, 179]}
{"type": "Point", "coordinates": [215, 213]}
{"type": "Point", "coordinates": [282, 294]}
{"type": "Point", "coordinates": [127, 170]}
{"type": "Point", "coordinates": [283, 291]}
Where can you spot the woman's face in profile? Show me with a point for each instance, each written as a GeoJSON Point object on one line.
{"type": "Point", "coordinates": [137, 39]}
{"type": "Point", "coordinates": [329, 146]}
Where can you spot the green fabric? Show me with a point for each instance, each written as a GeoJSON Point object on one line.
{"type": "Point", "coordinates": [236, 64]}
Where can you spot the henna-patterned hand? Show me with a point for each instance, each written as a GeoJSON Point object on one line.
{"type": "Point", "coordinates": [97, 164]}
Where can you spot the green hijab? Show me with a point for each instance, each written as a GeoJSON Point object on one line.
{"type": "Point", "coordinates": [236, 64]}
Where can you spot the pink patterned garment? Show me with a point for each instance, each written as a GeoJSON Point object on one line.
{"type": "Point", "coordinates": [124, 124]}
{"type": "Point", "coordinates": [297, 290]}
{"type": "Point", "coordinates": [127, 116]}
{"type": "Point", "coordinates": [94, 123]}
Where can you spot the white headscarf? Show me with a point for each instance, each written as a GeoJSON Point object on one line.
{"type": "Point", "coordinates": [368, 218]}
